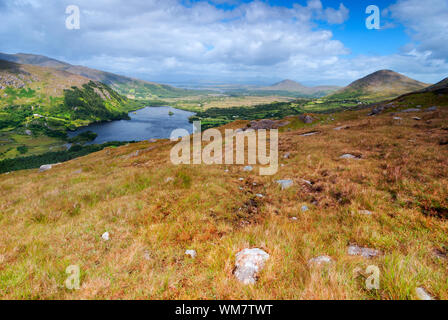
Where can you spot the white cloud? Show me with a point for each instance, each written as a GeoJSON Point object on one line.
{"type": "Point", "coordinates": [164, 40]}
{"type": "Point", "coordinates": [427, 23]}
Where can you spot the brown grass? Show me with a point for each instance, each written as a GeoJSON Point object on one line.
{"type": "Point", "coordinates": [51, 220]}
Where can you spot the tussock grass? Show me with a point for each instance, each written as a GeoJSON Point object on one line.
{"type": "Point", "coordinates": [54, 219]}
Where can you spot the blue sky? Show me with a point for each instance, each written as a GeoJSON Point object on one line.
{"type": "Point", "coordinates": [230, 41]}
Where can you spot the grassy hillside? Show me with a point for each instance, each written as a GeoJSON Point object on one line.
{"type": "Point", "coordinates": [154, 211]}
{"type": "Point", "coordinates": [299, 89]}
{"type": "Point", "coordinates": [39, 104]}
{"type": "Point", "coordinates": [378, 86]}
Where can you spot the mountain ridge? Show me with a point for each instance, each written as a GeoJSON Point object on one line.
{"type": "Point", "coordinates": [381, 84]}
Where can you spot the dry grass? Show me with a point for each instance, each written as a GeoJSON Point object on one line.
{"type": "Point", "coordinates": [51, 220]}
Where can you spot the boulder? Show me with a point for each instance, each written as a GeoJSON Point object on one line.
{"type": "Point", "coordinates": [191, 253]}
{"type": "Point", "coordinates": [349, 156]}
{"type": "Point", "coordinates": [318, 261]}
{"type": "Point", "coordinates": [285, 184]}
{"type": "Point", "coordinates": [422, 294]}
{"type": "Point", "coordinates": [249, 263]}
{"type": "Point", "coordinates": [312, 133]}
{"type": "Point", "coordinates": [410, 110]}
{"type": "Point", "coordinates": [106, 236]}
{"type": "Point", "coordinates": [307, 119]}
{"type": "Point", "coordinates": [363, 252]}
{"type": "Point", "coordinates": [45, 167]}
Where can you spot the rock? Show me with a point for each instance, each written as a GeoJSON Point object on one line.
{"type": "Point", "coordinates": [422, 294]}
{"type": "Point", "coordinates": [341, 128]}
{"type": "Point", "coordinates": [248, 168]}
{"type": "Point", "coordinates": [419, 106]}
{"type": "Point", "coordinates": [191, 253]}
{"type": "Point", "coordinates": [152, 140]}
{"type": "Point", "coordinates": [320, 261]}
{"type": "Point", "coordinates": [349, 156]}
{"type": "Point", "coordinates": [312, 133]}
{"type": "Point", "coordinates": [259, 195]}
{"type": "Point", "coordinates": [294, 218]}
{"type": "Point", "coordinates": [285, 184]}
{"type": "Point", "coordinates": [286, 155]}
{"type": "Point", "coordinates": [45, 167]}
{"type": "Point", "coordinates": [267, 124]}
{"type": "Point", "coordinates": [146, 255]}
{"type": "Point", "coordinates": [304, 208]}
{"type": "Point", "coordinates": [307, 119]}
{"type": "Point", "coordinates": [77, 171]}
{"type": "Point", "coordinates": [365, 212]}
{"type": "Point", "coordinates": [106, 236]}
{"type": "Point", "coordinates": [241, 179]}
{"type": "Point", "coordinates": [434, 108]}
{"type": "Point", "coordinates": [249, 263]}
{"type": "Point", "coordinates": [28, 132]}
{"type": "Point", "coordinates": [397, 118]}
{"type": "Point", "coordinates": [364, 252]}
{"type": "Point", "coordinates": [307, 182]}
{"type": "Point", "coordinates": [226, 171]}
{"type": "Point", "coordinates": [416, 118]}
{"type": "Point", "coordinates": [410, 110]}
{"type": "Point", "coordinates": [376, 110]}
{"type": "Point", "coordinates": [169, 179]}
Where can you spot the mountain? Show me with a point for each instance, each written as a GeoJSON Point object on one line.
{"type": "Point", "coordinates": [381, 84]}
{"type": "Point", "coordinates": [133, 88]}
{"type": "Point", "coordinates": [40, 102]}
{"type": "Point", "coordinates": [293, 86]}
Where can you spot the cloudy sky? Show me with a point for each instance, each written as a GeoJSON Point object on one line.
{"type": "Point", "coordinates": [230, 41]}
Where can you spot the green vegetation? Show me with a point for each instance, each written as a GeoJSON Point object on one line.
{"type": "Point", "coordinates": [31, 162]}
{"type": "Point", "coordinates": [84, 137]}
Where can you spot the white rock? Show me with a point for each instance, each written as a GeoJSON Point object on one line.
{"type": "Point", "coordinates": [320, 260]}
{"type": "Point", "coordinates": [191, 253]}
{"type": "Point", "coordinates": [348, 156]}
{"type": "Point", "coordinates": [248, 168]}
{"type": "Point", "coordinates": [294, 218]}
{"type": "Point", "coordinates": [340, 128]}
{"type": "Point", "coordinates": [259, 195]}
{"type": "Point", "coordinates": [307, 182]}
{"type": "Point", "coordinates": [241, 179]}
{"type": "Point", "coordinates": [249, 263]}
{"type": "Point", "coordinates": [169, 179]}
{"type": "Point", "coordinates": [106, 236]}
{"type": "Point", "coordinates": [397, 118]}
{"type": "Point", "coordinates": [422, 294]}
{"type": "Point", "coordinates": [285, 184]}
{"type": "Point", "coordinates": [364, 252]}
{"type": "Point", "coordinates": [45, 167]}
{"type": "Point", "coordinates": [309, 134]}
{"type": "Point", "coordinates": [304, 208]}
{"type": "Point", "coordinates": [416, 118]}
{"type": "Point", "coordinates": [365, 212]}
{"type": "Point", "coordinates": [286, 155]}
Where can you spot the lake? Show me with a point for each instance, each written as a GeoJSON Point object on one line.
{"type": "Point", "coordinates": [147, 123]}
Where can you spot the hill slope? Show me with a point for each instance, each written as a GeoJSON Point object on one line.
{"type": "Point", "coordinates": [154, 211]}
{"type": "Point", "coordinates": [382, 84]}
{"type": "Point", "coordinates": [127, 86]}
{"type": "Point", "coordinates": [293, 86]}
{"type": "Point", "coordinates": [40, 103]}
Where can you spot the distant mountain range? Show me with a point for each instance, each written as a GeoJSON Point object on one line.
{"type": "Point", "coordinates": [130, 87]}
{"type": "Point", "coordinates": [379, 85]}
{"type": "Point", "coordinates": [293, 86]}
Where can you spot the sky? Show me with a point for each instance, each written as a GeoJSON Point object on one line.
{"type": "Point", "coordinates": [314, 42]}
